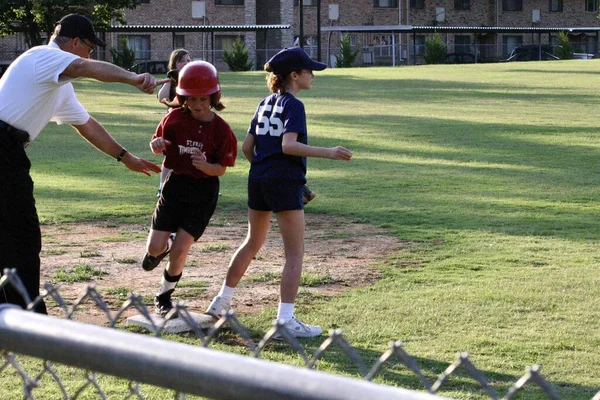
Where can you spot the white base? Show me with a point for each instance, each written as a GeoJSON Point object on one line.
{"type": "Point", "coordinates": [175, 325]}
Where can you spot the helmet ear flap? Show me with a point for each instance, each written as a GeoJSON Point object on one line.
{"type": "Point", "coordinates": [215, 98]}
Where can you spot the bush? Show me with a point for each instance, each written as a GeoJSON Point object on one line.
{"type": "Point", "coordinates": [435, 50]}
{"type": "Point", "coordinates": [237, 59]}
{"type": "Point", "coordinates": [346, 56]}
{"type": "Point", "coordinates": [565, 50]}
{"type": "Point", "coordinates": [124, 58]}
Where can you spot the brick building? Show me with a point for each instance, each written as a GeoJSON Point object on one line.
{"type": "Point", "coordinates": [380, 46]}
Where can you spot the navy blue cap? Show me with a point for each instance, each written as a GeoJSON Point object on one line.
{"type": "Point", "coordinates": [293, 59]}
{"type": "Point", "coordinates": [79, 26]}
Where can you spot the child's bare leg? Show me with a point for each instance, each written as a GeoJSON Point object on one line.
{"type": "Point", "coordinates": [179, 252]}
{"type": "Point", "coordinates": [291, 224]}
{"type": "Point", "coordinates": [258, 227]}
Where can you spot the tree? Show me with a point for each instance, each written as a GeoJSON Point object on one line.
{"type": "Point", "coordinates": [35, 17]}
{"type": "Point", "coordinates": [435, 50]}
{"type": "Point", "coordinates": [565, 50]}
{"type": "Point", "coordinates": [125, 58]}
{"type": "Point", "coordinates": [346, 56]}
{"type": "Point", "coordinates": [237, 59]}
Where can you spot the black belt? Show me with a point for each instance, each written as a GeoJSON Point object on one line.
{"type": "Point", "coordinates": [14, 134]}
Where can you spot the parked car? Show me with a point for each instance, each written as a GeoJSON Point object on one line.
{"type": "Point", "coordinates": [153, 67]}
{"type": "Point", "coordinates": [583, 56]}
{"type": "Point", "coordinates": [531, 52]}
{"type": "Point", "coordinates": [459, 58]}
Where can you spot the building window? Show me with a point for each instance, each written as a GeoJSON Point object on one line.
{"type": "Point", "coordinates": [556, 5]}
{"type": "Point", "coordinates": [138, 43]}
{"type": "Point", "coordinates": [306, 3]}
{"type": "Point", "coordinates": [419, 45]}
{"type": "Point", "coordinates": [179, 42]}
{"type": "Point", "coordinates": [591, 5]}
{"type": "Point", "coordinates": [462, 4]}
{"type": "Point", "coordinates": [462, 44]}
{"type": "Point", "coordinates": [224, 42]}
{"type": "Point", "coordinates": [143, 1]}
{"type": "Point", "coordinates": [417, 3]}
{"type": "Point", "coordinates": [509, 42]}
{"type": "Point", "coordinates": [385, 3]}
{"type": "Point", "coordinates": [512, 5]}
{"type": "Point", "coordinates": [229, 2]}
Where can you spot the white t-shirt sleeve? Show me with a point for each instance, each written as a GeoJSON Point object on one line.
{"type": "Point", "coordinates": [51, 64]}
{"type": "Point", "coordinates": [48, 70]}
{"type": "Point", "coordinates": [70, 111]}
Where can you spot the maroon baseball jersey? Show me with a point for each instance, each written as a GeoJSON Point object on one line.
{"type": "Point", "coordinates": [186, 133]}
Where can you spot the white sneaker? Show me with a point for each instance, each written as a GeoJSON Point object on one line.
{"type": "Point", "coordinates": [218, 307]}
{"type": "Point", "coordinates": [298, 328]}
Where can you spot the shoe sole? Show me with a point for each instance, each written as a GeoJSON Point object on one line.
{"type": "Point", "coordinates": [278, 336]}
{"type": "Point", "coordinates": [212, 315]}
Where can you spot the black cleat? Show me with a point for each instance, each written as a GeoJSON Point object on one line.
{"type": "Point", "coordinates": [150, 262]}
{"type": "Point", "coordinates": [163, 304]}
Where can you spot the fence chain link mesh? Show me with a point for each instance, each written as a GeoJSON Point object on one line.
{"type": "Point", "coordinates": [396, 351]}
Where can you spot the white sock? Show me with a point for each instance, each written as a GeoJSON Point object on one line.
{"type": "Point", "coordinates": [168, 282]}
{"type": "Point", "coordinates": [226, 293]}
{"type": "Point", "coordinates": [285, 311]}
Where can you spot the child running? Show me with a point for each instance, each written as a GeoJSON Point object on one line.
{"type": "Point", "coordinates": [276, 146]}
{"type": "Point", "coordinates": [199, 146]}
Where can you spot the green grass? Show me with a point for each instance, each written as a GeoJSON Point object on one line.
{"type": "Point", "coordinates": [79, 273]}
{"type": "Point", "coordinates": [120, 293]}
{"type": "Point", "coordinates": [307, 279]}
{"type": "Point", "coordinates": [214, 248]}
{"type": "Point", "coordinates": [490, 171]}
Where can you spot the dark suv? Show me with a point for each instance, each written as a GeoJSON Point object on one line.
{"type": "Point", "coordinates": [154, 67]}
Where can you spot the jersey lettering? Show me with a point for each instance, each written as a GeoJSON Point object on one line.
{"type": "Point", "coordinates": [271, 123]}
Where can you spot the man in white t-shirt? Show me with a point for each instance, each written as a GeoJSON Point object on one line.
{"type": "Point", "coordinates": [34, 90]}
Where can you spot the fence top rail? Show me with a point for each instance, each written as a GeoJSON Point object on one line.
{"type": "Point", "coordinates": [442, 29]}
{"type": "Point", "coordinates": [192, 28]}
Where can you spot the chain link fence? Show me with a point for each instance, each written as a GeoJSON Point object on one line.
{"type": "Point", "coordinates": [135, 357]}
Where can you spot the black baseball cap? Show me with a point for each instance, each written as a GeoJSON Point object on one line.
{"type": "Point", "coordinates": [79, 26]}
{"type": "Point", "coordinates": [293, 59]}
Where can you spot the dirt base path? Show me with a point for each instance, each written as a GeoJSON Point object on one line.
{"type": "Point", "coordinates": [339, 255]}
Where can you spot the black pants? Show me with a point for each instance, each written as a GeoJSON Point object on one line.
{"type": "Point", "coordinates": [20, 236]}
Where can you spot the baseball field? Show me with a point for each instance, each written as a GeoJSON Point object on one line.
{"type": "Point", "coordinates": [479, 183]}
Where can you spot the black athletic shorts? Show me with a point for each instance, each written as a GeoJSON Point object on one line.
{"type": "Point", "coordinates": [275, 195]}
{"type": "Point", "coordinates": [186, 202]}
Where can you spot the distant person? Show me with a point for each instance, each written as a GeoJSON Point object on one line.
{"type": "Point", "coordinates": [277, 147]}
{"type": "Point", "coordinates": [178, 59]}
{"type": "Point", "coordinates": [34, 90]}
{"type": "Point", "coordinates": [199, 146]}
{"type": "Point", "coordinates": [167, 96]}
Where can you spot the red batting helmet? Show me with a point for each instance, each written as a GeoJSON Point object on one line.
{"type": "Point", "coordinates": [198, 78]}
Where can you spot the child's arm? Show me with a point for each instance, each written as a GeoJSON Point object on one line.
{"type": "Point", "coordinates": [159, 145]}
{"type": "Point", "coordinates": [248, 147]}
{"type": "Point", "coordinates": [292, 147]}
{"type": "Point", "coordinates": [199, 161]}
{"type": "Point", "coordinates": [163, 93]}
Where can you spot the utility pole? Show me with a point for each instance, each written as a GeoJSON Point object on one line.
{"type": "Point", "coordinates": [301, 9]}
{"type": "Point", "coordinates": [318, 30]}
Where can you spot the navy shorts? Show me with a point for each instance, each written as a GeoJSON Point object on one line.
{"type": "Point", "coordinates": [187, 203]}
{"type": "Point", "coordinates": [275, 195]}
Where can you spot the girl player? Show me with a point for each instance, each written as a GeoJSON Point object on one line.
{"type": "Point", "coordinates": [199, 146]}
{"type": "Point", "coordinates": [276, 146]}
